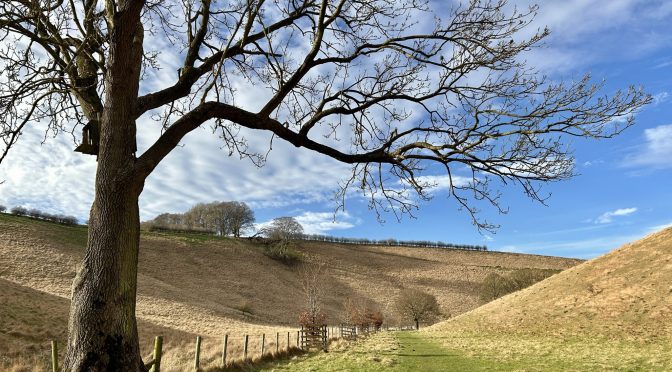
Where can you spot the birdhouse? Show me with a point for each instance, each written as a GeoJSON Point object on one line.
{"type": "Point", "coordinates": [90, 138]}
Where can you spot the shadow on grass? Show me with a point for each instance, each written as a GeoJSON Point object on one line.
{"type": "Point", "coordinates": [258, 363]}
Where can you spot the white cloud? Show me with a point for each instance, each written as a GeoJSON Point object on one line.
{"type": "Point", "coordinates": [656, 151]}
{"type": "Point", "coordinates": [660, 98]}
{"type": "Point", "coordinates": [608, 217]}
{"type": "Point", "coordinates": [584, 32]}
{"type": "Point", "coordinates": [660, 227]}
{"type": "Point", "coordinates": [321, 222]}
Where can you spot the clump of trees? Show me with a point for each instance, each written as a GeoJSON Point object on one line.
{"type": "Point", "coordinates": [281, 234]}
{"type": "Point", "coordinates": [418, 306]}
{"type": "Point", "coordinates": [222, 218]}
{"type": "Point", "coordinates": [2, 209]}
{"type": "Point", "coordinates": [495, 285]}
{"type": "Point", "coordinates": [393, 242]}
{"type": "Point", "coordinates": [19, 211]}
{"type": "Point", "coordinates": [39, 215]}
{"type": "Point", "coordinates": [363, 314]}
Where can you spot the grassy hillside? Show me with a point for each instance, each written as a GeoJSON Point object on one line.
{"type": "Point", "coordinates": [613, 312]}
{"type": "Point", "coordinates": [199, 284]}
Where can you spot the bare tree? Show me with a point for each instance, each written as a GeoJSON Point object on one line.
{"type": "Point", "coordinates": [282, 229]}
{"type": "Point", "coordinates": [225, 218]}
{"type": "Point", "coordinates": [240, 217]}
{"type": "Point", "coordinates": [417, 306]}
{"type": "Point", "coordinates": [19, 211]}
{"type": "Point", "coordinates": [312, 275]}
{"type": "Point", "coordinates": [232, 218]}
{"type": "Point", "coordinates": [408, 97]}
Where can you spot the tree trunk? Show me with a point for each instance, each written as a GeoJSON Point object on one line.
{"type": "Point", "coordinates": [417, 324]}
{"type": "Point", "coordinates": [102, 330]}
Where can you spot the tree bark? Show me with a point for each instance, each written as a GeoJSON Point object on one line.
{"type": "Point", "coordinates": [102, 329]}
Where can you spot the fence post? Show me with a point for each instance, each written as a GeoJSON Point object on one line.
{"type": "Point", "coordinates": [297, 339]}
{"type": "Point", "coordinates": [54, 355]}
{"type": "Point", "coordinates": [263, 344]}
{"type": "Point", "coordinates": [325, 337]}
{"type": "Point", "coordinates": [197, 357]}
{"type": "Point", "coordinates": [245, 348]}
{"type": "Point", "coordinates": [226, 342]}
{"type": "Point", "coordinates": [287, 341]}
{"type": "Point", "coordinates": [158, 345]}
{"type": "Point", "coordinates": [277, 342]}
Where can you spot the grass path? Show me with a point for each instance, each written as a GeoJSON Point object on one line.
{"type": "Point", "coordinates": [398, 351]}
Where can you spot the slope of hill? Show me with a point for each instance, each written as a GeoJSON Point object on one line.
{"type": "Point", "coordinates": [201, 284]}
{"type": "Point", "coordinates": [611, 312]}
{"type": "Point", "coordinates": [627, 292]}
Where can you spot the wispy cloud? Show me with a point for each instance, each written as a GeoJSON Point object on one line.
{"type": "Point", "coordinates": [660, 98]}
{"type": "Point", "coordinates": [660, 227]}
{"type": "Point", "coordinates": [608, 217]}
{"type": "Point", "coordinates": [584, 248]}
{"type": "Point", "coordinates": [663, 64]}
{"type": "Point", "coordinates": [656, 151]}
{"type": "Point", "coordinates": [591, 163]}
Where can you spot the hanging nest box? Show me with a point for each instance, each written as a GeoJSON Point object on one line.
{"type": "Point", "coordinates": [90, 138]}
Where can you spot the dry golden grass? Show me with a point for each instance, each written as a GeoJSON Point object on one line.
{"type": "Point", "coordinates": [613, 312]}
{"type": "Point", "coordinates": [192, 285]}
{"type": "Point", "coordinates": [626, 293]}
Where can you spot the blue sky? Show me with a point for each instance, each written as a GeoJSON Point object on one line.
{"type": "Point", "coordinates": [622, 191]}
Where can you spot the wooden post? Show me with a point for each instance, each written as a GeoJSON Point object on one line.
{"type": "Point", "coordinates": [297, 339]}
{"type": "Point", "coordinates": [263, 344]}
{"type": "Point", "coordinates": [197, 358]}
{"type": "Point", "coordinates": [287, 341]}
{"type": "Point", "coordinates": [54, 355]}
{"type": "Point", "coordinates": [158, 346]}
{"type": "Point", "coordinates": [277, 342]}
{"type": "Point", "coordinates": [325, 338]}
{"type": "Point", "coordinates": [226, 342]}
{"type": "Point", "coordinates": [245, 348]}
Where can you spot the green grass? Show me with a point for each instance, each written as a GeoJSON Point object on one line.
{"type": "Point", "coordinates": [400, 351]}
{"type": "Point", "coordinates": [56, 233]}
{"type": "Point", "coordinates": [428, 352]}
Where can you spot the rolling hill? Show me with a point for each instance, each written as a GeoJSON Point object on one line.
{"type": "Point", "coordinates": [613, 312]}
{"type": "Point", "coordinates": [193, 284]}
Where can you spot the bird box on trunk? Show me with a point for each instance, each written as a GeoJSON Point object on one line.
{"type": "Point", "coordinates": [90, 138]}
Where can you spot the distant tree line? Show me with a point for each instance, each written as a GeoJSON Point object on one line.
{"type": "Point", "coordinates": [393, 242]}
{"type": "Point", "coordinates": [38, 214]}
{"type": "Point", "coordinates": [221, 218]}
{"type": "Point", "coordinates": [234, 218]}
